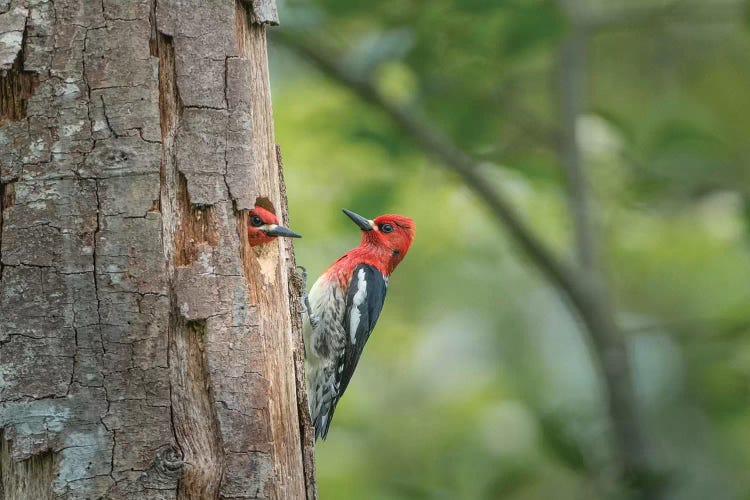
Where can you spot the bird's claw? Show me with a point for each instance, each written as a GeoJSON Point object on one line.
{"type": "Point", "coordinates": [306, 310]}
{"type": "Point", "coordinates": [303, 273]}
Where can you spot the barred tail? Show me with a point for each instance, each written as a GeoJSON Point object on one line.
{"type": "Point", "coordinates": [322, 396]}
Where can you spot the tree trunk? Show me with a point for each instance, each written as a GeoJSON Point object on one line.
{"type": "Point", "coordinates": [146, 350]}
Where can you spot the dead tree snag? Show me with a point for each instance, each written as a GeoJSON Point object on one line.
{"type": "Point", "coordinates": [145, 350]}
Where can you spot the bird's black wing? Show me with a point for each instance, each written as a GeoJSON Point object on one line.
{"type": "Point", "coordinates": [364, 301]}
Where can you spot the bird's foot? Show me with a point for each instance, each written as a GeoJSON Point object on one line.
{"type": "Point", "coordinates": [303, 274]}
{"type": "Point", "coordinates": [306, 309]}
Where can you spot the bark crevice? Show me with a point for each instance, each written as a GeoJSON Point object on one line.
{"type": "Point", "coordinates": [16, 87]}
{"type": "Point", "coordinates": [195, 420]}
{"type": "Point", "coordinates": [97, 233]}
{"type": "Point", "coordinates": [7, 200]}
{"type": "Point", "coordinates": [197, 225]}
{"type": "Point", "coordinates": [29, 478]}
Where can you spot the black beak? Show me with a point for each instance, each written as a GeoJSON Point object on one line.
{"type": "Point", "coordinates": [364, 224]}
{"type": "Point", "coordinates": [281, 231]}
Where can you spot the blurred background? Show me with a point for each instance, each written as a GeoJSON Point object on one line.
{"type": "Point", "coordinates": [613, 363]}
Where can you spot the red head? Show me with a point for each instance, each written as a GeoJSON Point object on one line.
{"type": "Point", "coordinates": [385, 240]}
{"type": "Point", "coordinates": [263, 227]}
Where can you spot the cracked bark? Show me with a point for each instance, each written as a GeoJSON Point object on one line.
{"type": "Point", "coordinates": [145, 350]}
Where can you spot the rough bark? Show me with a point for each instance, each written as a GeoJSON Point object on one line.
{"type": "Point", "coordinates": [146, 351]}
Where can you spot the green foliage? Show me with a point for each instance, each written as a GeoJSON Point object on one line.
{"type": "Point", "coordinates": [477, 382]}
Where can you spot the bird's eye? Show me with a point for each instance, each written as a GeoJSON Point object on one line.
{"type": "Point", "coordinates": [256, 221]}
{"type": "Point", "coordinates": [386, 228]}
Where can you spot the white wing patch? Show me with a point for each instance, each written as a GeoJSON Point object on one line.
{"type": "Point", "coordinates": [358, 300]}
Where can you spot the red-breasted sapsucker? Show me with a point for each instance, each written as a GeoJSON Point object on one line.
{"type": "Point", "coordinates": [263, 227]}
{"type": "Point", "coordinates": [343, 307]}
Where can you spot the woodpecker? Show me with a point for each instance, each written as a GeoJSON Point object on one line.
{"type": "Point", "coordinates": [342, 308]}
{"type": "Point", "coordinates": [263, 227]}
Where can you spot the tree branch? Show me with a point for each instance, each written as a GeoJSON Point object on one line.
{"type": "Point", "coordinates": [598, 20]}
{"type": "Point", "coordinates": [571, 73]}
